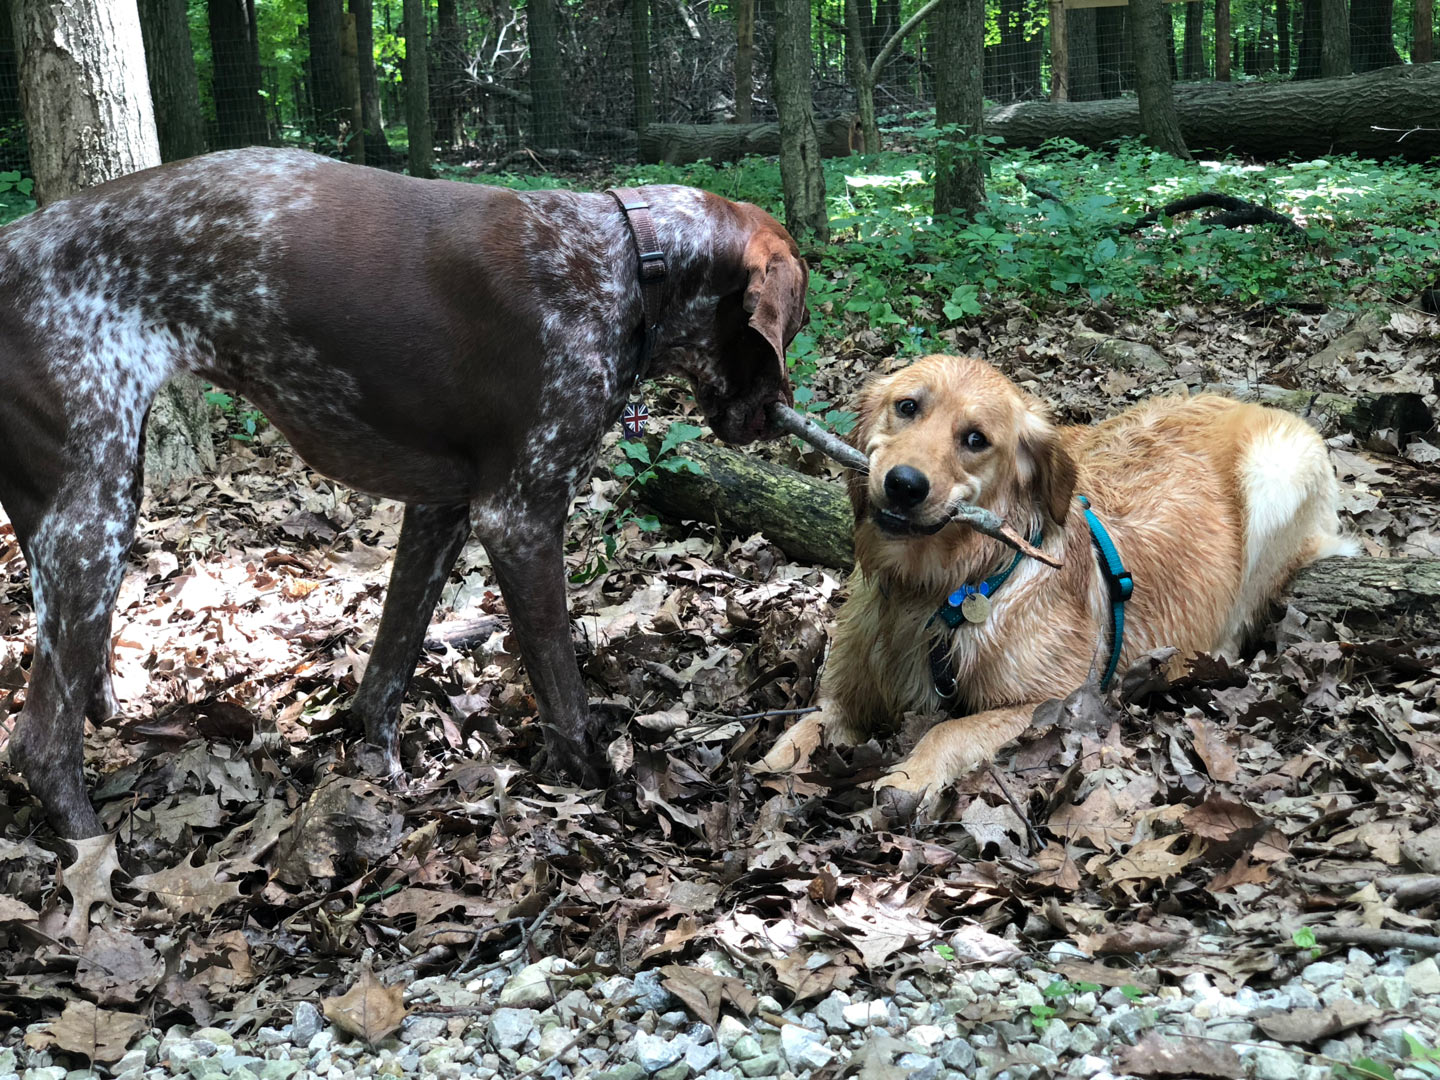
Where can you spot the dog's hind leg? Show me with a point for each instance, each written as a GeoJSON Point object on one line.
{"type": "Point", "coordinates": [431, 538]}
{"type": "Point", "coordinates": [76, 549]}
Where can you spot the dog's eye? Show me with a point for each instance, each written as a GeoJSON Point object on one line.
{"type": "Point", "coordinates": [974, 440]}
{"type": "Point", "coordinates": [907, 407]}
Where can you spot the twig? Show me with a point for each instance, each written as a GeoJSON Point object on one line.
{"type": "Point", "coordinates": [1375, 938]}
{"type": "Point", "coordinates": [978, 518]}
{"type": "Point", "coordinates": [525, 937]}
{"type": "Point", "coordinates": [1036, 843]}
{"type": "Point", "coordinates": [580, 1036]}
{"type": "Point", "coordinates": [766, 715]}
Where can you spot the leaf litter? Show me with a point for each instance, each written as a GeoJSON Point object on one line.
{"type": "Point", "coordinates": [1182, 826]}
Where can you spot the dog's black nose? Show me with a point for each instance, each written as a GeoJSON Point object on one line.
{"type": "Point", "coordinates": [906, 486]}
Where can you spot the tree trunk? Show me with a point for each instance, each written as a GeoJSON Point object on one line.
{"type": "Point", "coordinates": [177, 433]}
{"type": "Point", "coordinates": [1158, 118]}
{"type": "Point", "coordinates": [1372, 35]}
{"type": "Point", "coordinates": [235, 86]}
{"type": "Point", "coordinates": [1422, 50]}
{"type": "Point", "coordinates": [1084, 56]}
{"type": "Point", "coordinates": [84, 93]}
{"type": "Point", "coordinates": [1112, 50]}
{"type": "Point", "coordinates": [859, 66]}
{"type": "Point", "coordinates": [174, 88]}
{"type": "Point", "coordinates": [1307, 65]}
{"type": "Point", "coordinates": [1222, 40]}
{"type": "Point", "coordinates": [9, 70]}
{"type": "Point", "coordinates": [449, 64]}
{"type": "Point", "coordinates": [801, 176]}
{"type": "Point", "coordinates": [1282, 36]}
{"type": "Point", "coordinates": [811, 521]}
{"type": "Point", "coordinates": [1059, 53]}
{"type": "Point", "coordinates": [960, 49]}
{"type": "Point", "coordinates": [1260, 121]}
{"type": "Point", "coordinates": [1194, 65]}
{"type": "Point", "coordinates": [327, 91]}
{"type": "Point", "coordinates": [547, 85]}
{"type": "Point", "coordinates": [680, 144]}
{"type": "Point", "coordinates": [352, 133]}
{"type": "Point", "coordinates": [1334, 38]}
{"type": "Point", "coordinates": [744, 60]}
{"type": "Point", "coordinates": [640, 64]}
{"type": "Point", "coordinates": [377, 147]}
{"type": "Point", "coordinates": [417, 90]}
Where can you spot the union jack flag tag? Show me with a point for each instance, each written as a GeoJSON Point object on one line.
{"type": "Point", "coordinates": [632, 420]}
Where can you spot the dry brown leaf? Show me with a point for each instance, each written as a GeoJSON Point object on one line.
{"type": "Point", "coordinates": [99, 1034]}
{"type": "Point", "coordinates": [1056, 869]}
{"type": "Point", "coordinates": [189, 890]}
{"type": "Point", "coordinates": [369, 1010]}
{"type": "Point", "coordinates": [1221, 819]}
{"type": "Point", "coordinates": [1098, 819]}
{"type": "Point", "coordinates": [12, 910]}
{"type": "Point", "coordinates": [88, 881]}
{"type": "Point", "coordinates": [1312, 1025]}
{"type": "Point", "coordinates": [117, 967]}
{"type": "Point", "coordinates": [999, 826]}
{"type": "Point", "coordinates": [704, 993]}
{"type": "Point", "coordinates": [1137, 938]}
{"type": "Point", "coordinates": [1156, 1055]}
{"type": "Point", "coordinates": [804, 982]}
{"type": "Point", "coordinates": [1213, 750]}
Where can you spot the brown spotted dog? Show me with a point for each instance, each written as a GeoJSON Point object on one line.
{"type": "Point", "coordinates": [1210, 504]}
{"type": "Point", "coordinates": [456, 347]}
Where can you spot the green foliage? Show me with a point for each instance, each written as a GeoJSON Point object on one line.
{"type": "Point", "coordinates": [639, 468]}
{"type": "Point", "coordinates": [1058, 994]}
{"type": "Point", "coordinates": [243, 424]}
{"type": "Point", "coordinates": [15, 196]}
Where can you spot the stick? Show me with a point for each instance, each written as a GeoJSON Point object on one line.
{"type": "Point", "coordinates": [1376, 939]}
{"type": "Point", "coordinates": [978, 518]}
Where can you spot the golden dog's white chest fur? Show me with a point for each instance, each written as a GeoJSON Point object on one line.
{"type": "Point", "coordinates": [1212, 504]}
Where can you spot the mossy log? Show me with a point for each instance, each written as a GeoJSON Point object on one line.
{"type": "Point", "coordinates": [1393, 112]}
{"type": "Point", "coordinates": [811, 521]}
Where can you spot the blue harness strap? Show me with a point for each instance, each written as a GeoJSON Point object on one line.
{"type": "Point", "coordinates": [1118, 579]}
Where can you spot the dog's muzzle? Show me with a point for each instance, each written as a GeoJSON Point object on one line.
{"type": "Point", "coordinates": [897, 524]}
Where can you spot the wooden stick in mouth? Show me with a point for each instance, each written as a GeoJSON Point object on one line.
{"type": "Point", "coordinates": [978, 518]}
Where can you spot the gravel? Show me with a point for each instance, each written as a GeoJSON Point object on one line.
{"type": "Point", "coordinates": [975, 1023]}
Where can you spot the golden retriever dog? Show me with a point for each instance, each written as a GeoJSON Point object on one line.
{"type": "Point", "coordinates": [1211, 505]}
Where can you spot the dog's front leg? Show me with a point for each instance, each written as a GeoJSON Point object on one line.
{"type": "Point", "coordinates": [530, 566]}
{"type": "Point", "coordinates": [948, 752]}
{"type": "Point", "coordinates": [430, 541]}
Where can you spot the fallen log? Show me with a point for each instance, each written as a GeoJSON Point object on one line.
{"type": "Point", "coordinates": [680, 144]}
{"type": "Point", "coordinates": [811, 521]}
{"type": "Point", "coordinates": [1391, 112]}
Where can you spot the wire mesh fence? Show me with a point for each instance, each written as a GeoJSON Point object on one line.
{"type": "Point", "coordinates": [517, 82]}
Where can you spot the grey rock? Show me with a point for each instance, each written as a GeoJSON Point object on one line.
{"type": "Point", "coordinates": [983, 982]}
{"type": "Point", "coordinates": [678, 1071]}
{"type": "Point", "coordinates": [649, 994]}
{"type": "Point", "coordinates": [701, 1056]}
{"type": "Point", "coordinates": [321, 1042]}
{"type": "Point", "coordinates": [205, 1068]}
{"type": "Point", "coordinates": [745, 1048]}
{"type": "Point", "coordinates": [423, 1029]}
{"type": "Point", "coordinates": [958, 1054]}
{"type": "Point", "coordinates": [831, 1012]}
{"type": "Point", "coordinates": [44, 1072]}
{"type": "Point", "coordinates": [536, 984]}
{"type": "Point", "coordinates": [729, 1032]}
{"type": "Point", "coordinates": [133, 1059]}
{"type": "Point", "coordinates": [510, 1028]}
{"type": "Point", "coordinates": [1083, 1039]}
{"type": "Point", "coordinates": [767, 1064]}
{"type": "Point", "coordinates": [1388, 991]}
{"type": "Point", "coordinates": [925, 1036]}
{"type": "Point", "coordinates": [1127, 1024]}
{"type": "Point", "coordinates": [279, 1069]}
{"type": "Point", "coordinates": [673, 1020]}
{"type": "Point", "coordinates": [655, 1052]}
{"type": "Point", "coordinates": [555, 1042]}
{"type": "Point", "coordinates": [306, 1023]}
{"type": "Point", "coordinates": [269, 1036]}
{"type": "Point", "coordinates": [1233, 1030]}
{"type": "Point", "coordinates": [1088, 1066]}
{"type": "Point", "coordinates": [1056, 1037]}
{"type": "Point", "coordinates": [1424, 977]}
{"type": "Point", "coordinates": [1269, 1063]}
{"type": "Point", "coordinates": [921, 1066]}
{"type": "Point", "coordinates": [803, 1048]}
{"type": "Point", "coordinates": [908, 992]}
{"type": "Point", "coordinates": [1322, 973]}
{"type": "Point", "coordinates": [865, 1013]}
{"type": "Point", "coordinates": [630, 1070]}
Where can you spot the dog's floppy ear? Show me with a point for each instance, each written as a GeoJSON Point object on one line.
{"type": "Point", "coordinates": [868, 407]}
{"type": "Point", "coordinates": [1045, 467]}
{"type": "Point", "coordinates": [774, 301]}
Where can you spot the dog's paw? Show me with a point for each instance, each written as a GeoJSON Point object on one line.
{"type": "Point", "coordinates": [795, 747]}
{"type": "Point", "coordinates": [907, 792]}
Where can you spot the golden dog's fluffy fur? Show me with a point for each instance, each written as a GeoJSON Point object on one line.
{"type": "Point", "coordinates": [1212, 503]}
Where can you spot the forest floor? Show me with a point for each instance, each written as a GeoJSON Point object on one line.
{"type": "Point", "coordinates": [1127, 847]}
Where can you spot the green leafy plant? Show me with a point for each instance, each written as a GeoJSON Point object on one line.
{"type": "Point", "coordinates": [1304, 938]}
{"type": "Point", "coordinates": [638, 468]}
{"type": "Point", "coordinates": [245, 424]}
{"type": "Point", "coordinates": [1057, 996]}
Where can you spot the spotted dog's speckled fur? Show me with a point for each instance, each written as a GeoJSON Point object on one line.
{"type": "Point", "coordinates": [457, 347]}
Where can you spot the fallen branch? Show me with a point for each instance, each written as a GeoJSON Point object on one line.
{"type": "Point", "coordinates": [977, 517]}
{"type": "Point", "coordinates": [1376, 939]}
{"type": "Point", "coordinates": [1234, 212]}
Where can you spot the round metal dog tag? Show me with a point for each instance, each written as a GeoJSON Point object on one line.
{"type": "Point", "coordinates": [975, 608]}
